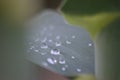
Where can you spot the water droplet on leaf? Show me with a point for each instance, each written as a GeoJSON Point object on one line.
{"type": "Point", "coordinates": [78, 70]}
{"type": "Point", "coordinates": [44, 46]}
{"type": "Point", "coordinates": [66, 66]}
{"type": "Point", "coordinates": [58, 44]}
{"type": "Point", "coordinates": [32, 47]}
{"type": "Point", "coordinates": [68, 42]}
{"type": "Point", "coordinates": [51, 60]}
{"type": "Point", "coordinates": [36, 50]}
{"type": "Point", "coordinates": [62, 61]}
{"type": "Point", "coordinates": [43, 53]}
{"type": "Point", "coordinates": [73, 57]}
{"type": "Point", "coordinates": [63, 68]}
{"type": "Point", "coordinates": [55, 52]}
{"type": "Point", "coordinates": [50, 40]}
{"type": "Point", "coordinates": [73, 37]}
{"type": "Point", "coordinates": [44, 40]}
{"type": "Point", "coordinates": [90, 44]}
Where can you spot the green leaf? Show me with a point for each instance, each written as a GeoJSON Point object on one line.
{"type": "Point", "coordinates": [85, 77]}
{"type": "Point", "coordinates": [93, 15]}
{"type": "Point", "coordinates": [88, 7]}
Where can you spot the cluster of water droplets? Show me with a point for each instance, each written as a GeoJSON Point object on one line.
{"type": "Point", "coordinates": [59, 47]}
{"type": "Point", "coordinates": [49, 49]}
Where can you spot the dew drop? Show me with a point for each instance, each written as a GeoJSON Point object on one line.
{"type": "Point", "coordinates": [44, 46]}
{"type": "Point", "coordinates": [63, 68]}
{"type": "Point", "coordinates": [68, 42]}
{"type": "Point", "coordinates": [90, 44]}
{"type": "Point", "coordinates": [50, 40]}
{"type": "Point", "coordinates": [55, 52]}
{"type": "Point", "coordinates": [78, 70]}
{"type": "Point", "coordinates": [58, 44]}
{"type": "Point", "coordinates": [51, 60]}
{"type": "Point", "coordinates": [62, 61]}
{"type": "Point", "coordinates": [66, 66]}
{"type": "Point", "coordinates": [32, 47]}
{"type": "Point", "coordinates": [73, 57]}
{"type": "Point", "coordinates": [36, 50]}
{"type": "Point", "coordinates": [73, 37]}
{"type": "Point", "coordinates": [44, 40]}
{"type": "Point", "coordinates": [43, 53]}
